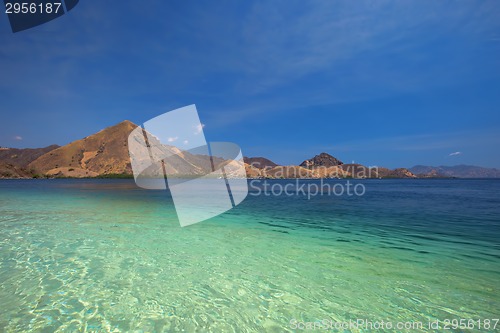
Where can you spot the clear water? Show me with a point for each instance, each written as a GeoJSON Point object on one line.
{"type": "Point", "coordinates": [105, 256]}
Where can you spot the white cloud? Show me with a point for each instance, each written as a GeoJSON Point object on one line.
{"type": "Point", "coordinates": [455, 153]}
{"type": "Point", "coordinates": [173, 139]}
{"type": "Point", "coordinates": [186, 142]}
{"type": "Point", "coordinates": [18, 138]}
{"type": "Point", "coordinates": [199, 129]}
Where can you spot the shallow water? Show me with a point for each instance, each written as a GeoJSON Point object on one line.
{"type": "Point", "coordinates": [105, 256]}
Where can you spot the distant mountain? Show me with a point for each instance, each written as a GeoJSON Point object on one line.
{"type": "Point", "coordinates": [106, 153]}
{"type": "Point", "coordinates": [260, 162]}
{"type": "Point", "coordinates": [14, 171]}
{"type": "Point", "coordinates": [323, 160]}
{"type": "Point", "coordinates": [361, 171]}
{"type": "Point", "coordinates": [294, 171]}
{"type": "Point", "coordinates": [396, 173]}
{"type": "Point", "coordinates": [458, 171]}
{"type": "Point", "coordinates": [14, 161]}
{"type": "Point", "coordinates": [23, 157]}
{"type": "Point", "coordinates": [333, 167]}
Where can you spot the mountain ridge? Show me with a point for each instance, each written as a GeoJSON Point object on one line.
{"type": "Point", "coordinates": [455, 171]}
{"type": "Point", "coordinates": [102, 153]}
{"type": "Point", "coordinates": [260, 162]}
{"type": "Point", "coordinates": [106, 153]}
{"type": "Point", "coordinates": [321, 160]}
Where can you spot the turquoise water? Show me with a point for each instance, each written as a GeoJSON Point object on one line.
{"type": "Point", "coordinates": [105, 256]}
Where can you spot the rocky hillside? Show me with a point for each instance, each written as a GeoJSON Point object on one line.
{"type": "Point", "coordinates": [14, 171]}
{"type": "Point", "coordinates": [107, 153]}
{"type": "Point", "coordinates": [323, 160]}
{"type": "Point", "coordinates": [458, 171]}
{"type": "Point", "coordinates": [14, 162]}
{"type": "Point", "coordinates": [23, 157]}
{"type": "Point", "coordinates": [103, 153]}
{"type": "Point", "coordinates": [260, 162]}
{"type": "Point", "coordinates": [396, 173]}
{"type": "Point", "coordinates": [360, 171]}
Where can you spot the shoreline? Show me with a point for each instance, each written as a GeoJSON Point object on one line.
{"type": "Point", "coordinates": [255, 178]}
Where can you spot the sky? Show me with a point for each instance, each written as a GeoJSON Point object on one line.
{"type": "Point", "coordinates": [386, 83]}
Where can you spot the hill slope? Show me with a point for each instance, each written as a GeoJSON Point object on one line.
{"type": "Point", "coordinates": [103, 153]}
{"type": "Point", "coordinates": [321, 160]}
{"type": "Point", "coordinates": [260, 162]}
{"type": "Point", "coordinates": [14, 161]}
{"type": "Point", "coordinates": [459, 171]}
{"type": "Point", "coordinates": [107, 153]}
{"type": "Point", "coordinates": [23, 157]}
{"type": "Point", "coordinates": [14, 171]}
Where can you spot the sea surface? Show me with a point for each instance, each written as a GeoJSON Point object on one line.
{"type": "Point", "coordinates": [106, 256]}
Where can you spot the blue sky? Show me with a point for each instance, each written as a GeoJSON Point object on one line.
{"type": "Point", "coordinates": [380, 83]}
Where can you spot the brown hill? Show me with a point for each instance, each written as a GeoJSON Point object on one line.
{"type": "Point", "coordinates": [253, 172]}
{"type": "Point", "coordinates": [321, 160]}
{"type": "Point", "coordinates": [22, 157]}
{"type": "Point", "coordinates": [360, 171]}
{"type": "Point", "coordinates": [291, 171]}
{"type": "Point", "coordinates": [330, 172]}
{"type": "Point", "coordinates": [396, 173]}
{"type": "Point", "coordinates": [105, 152]}
{"type": "Point", "coordinates": [260, 162]}
{"type": "Point", "coordinates": [458, 171]}
{"type": "Point", "coordinates": [13, 171]}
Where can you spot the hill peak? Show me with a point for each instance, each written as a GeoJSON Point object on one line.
{"type": "Point", "coordinates": [260, 162]}
{"type": "Point", "coordinates": [125, 123]}
{"type": "Point", "coordinates": [323, 159]}
{"type": "Point", "coordinates": [105, 152]}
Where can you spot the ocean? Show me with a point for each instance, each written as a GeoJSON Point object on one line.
{"type": "Point", "coordinates": [105, 256]}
